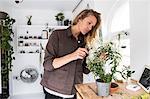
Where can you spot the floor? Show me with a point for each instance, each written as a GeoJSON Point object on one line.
{"type": "Point", "coordinates": [28, 96]}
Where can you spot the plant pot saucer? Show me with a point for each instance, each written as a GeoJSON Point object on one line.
{"type": "Point", "coordinates": [114, 87]}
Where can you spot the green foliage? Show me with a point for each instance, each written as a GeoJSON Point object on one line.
{"type": "Point", "coordinates": [6, 39]}
{"type": "Point", "coordinates": [126, 72]}
{"type": "Point", "coordinates": [60, 16]}
{"type": "Point", "coordinates": [97, 64]}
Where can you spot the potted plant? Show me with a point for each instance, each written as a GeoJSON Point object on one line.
{"type": "Point", "coordinates": [59, 18]}
{"type": "Point", "coordinates": [104, 64]}
{"type": "Point", "coordinates": [126, 73]}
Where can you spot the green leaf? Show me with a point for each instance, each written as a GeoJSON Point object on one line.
{"type": "Point", "coordinates": [96, 65]}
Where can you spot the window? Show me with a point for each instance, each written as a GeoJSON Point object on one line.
{"type": "Point", "coordinates": [120, 19]}
{"type": "Point", "coordinates": [119, 23]}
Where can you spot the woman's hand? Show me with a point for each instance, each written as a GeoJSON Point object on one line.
{"type": "Point", "coordinates": [103, 56]}
{"type": "Point", "coordinates": [80, 53]}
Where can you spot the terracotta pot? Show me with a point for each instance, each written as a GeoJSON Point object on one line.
{"type": "Point", "coordinates": [114, 87]}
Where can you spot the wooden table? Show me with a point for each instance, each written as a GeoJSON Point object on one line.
{"type": "Point", "coordinates": [89, 91]}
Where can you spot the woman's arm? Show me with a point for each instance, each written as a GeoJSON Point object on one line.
{"type": "Point", "coordinates": [80, 53]}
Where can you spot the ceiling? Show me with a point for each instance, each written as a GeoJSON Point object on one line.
{"type": "Point", "coordinates": [67, 5]}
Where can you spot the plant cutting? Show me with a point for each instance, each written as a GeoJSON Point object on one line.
{"type": "Point", "coordinates": [29, 20]}
{"type": "Point", "coordinates": [126, 73]}
{"type": "Point", "coordinates": [104, 65]}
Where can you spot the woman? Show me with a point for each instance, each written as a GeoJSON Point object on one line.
{"type": "Point", "coordinates": [64, 61]}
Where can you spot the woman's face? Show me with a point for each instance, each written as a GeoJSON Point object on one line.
{"type": "Point", "coordinates": [87, 24]}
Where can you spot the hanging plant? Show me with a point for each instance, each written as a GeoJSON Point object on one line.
{"type": "Point", "coordinates": [6, 39]}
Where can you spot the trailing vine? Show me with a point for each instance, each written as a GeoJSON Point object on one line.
{"type": "Point", "coordinates": [6, 37]}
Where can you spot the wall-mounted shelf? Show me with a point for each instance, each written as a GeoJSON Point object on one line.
{"type": "Point", "coordinates": [31, 37]}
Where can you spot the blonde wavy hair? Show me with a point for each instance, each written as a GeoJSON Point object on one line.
{"type": "Point", "coordinates": [85, 13]}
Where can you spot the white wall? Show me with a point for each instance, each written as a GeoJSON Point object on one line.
{"type": "Point", "coordinates": [3, 7]}
{"type": "Point", "coordinates": [139, 35]}
{"type": "Point", "coordinates": [39, 17]}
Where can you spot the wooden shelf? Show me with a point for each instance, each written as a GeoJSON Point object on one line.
{"type": "Point", "coordinates": [31, 35]}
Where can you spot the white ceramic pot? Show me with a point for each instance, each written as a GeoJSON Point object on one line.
{"type": "Point", "coordinates": [103, 88]}
{"type": "Point", "coordinates": [59, 23]}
